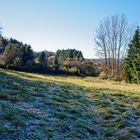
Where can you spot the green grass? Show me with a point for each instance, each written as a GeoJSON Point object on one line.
{"type": "Point", "coordinates": [58, 107]}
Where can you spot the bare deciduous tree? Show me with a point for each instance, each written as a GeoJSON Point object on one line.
{"type": "Point", "coordinates": [112, 38]}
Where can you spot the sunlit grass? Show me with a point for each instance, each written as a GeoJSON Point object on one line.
{"type": "Point", "coordinates": [88, 82]}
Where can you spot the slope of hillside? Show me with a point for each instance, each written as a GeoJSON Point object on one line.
{"type": "Point", "coordinates": [57, 107]}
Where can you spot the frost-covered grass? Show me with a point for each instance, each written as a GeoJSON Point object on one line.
{"type": "Point", "coordinates": [58, 107]}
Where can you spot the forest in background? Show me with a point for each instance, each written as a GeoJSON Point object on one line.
{"type": "Point", "coordinates": [19, 56]}
{"type": "Point", "coordinates": [117, 44]}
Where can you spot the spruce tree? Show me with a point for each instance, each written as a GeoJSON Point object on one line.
{"type": "Point", "coordinates": [132, 61]}
{"type": "Point", "coordinates": [56, 63]}
{"type": "Point", "coordinates": [42, 57]}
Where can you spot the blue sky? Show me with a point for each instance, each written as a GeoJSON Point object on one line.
{"type": "Point", "coordinates": [61, 24]}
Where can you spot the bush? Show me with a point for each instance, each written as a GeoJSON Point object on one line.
{"type": "Point", "coordinates": [103, 76]}
{"type": "Point", "coordinates": [74, 70]}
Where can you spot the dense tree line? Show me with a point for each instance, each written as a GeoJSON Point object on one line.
{"type": "Point", "coordinates": [121, 61]}
{"type": "Point", "coordinates": [15, 54]}
{"type": "Point", "coordinates": [71, 54]}
{"type": "Point", "coordinates": [73, 61]}
{"type": "Point", "coordinates": [19, 56]}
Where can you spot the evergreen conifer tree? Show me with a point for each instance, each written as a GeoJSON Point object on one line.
{"type": "Point", "coordinates": [42, 57]}
{"type": "Point", "coordinates": [132, 61]}
{"type": "Point", "coordinates": [56, 63]}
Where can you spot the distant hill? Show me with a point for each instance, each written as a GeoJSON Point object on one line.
{"type": "Point", "coordinates": [95, 60]}
{"type": "Point", "coordinates": [98, 60]}
{"type": "Point", "coordinates": [47, 53]}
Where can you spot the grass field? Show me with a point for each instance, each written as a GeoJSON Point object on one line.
{"type": "Point", "coordinates": [38, 107]}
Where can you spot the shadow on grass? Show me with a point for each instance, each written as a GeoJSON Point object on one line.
{"type": "Point", "coordinates": [56, 110]}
